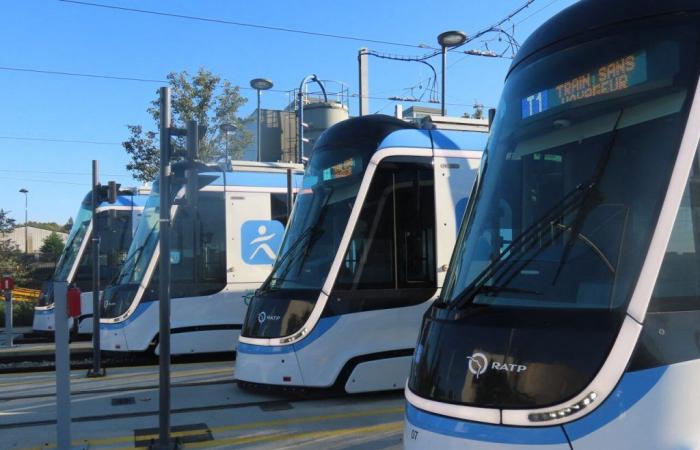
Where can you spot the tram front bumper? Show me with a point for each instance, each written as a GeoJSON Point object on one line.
{"type": "Point", "coordinates": [44, 320]}
{"type": "Point", "coordinates": [268, 365]}
{"type": "Point", "coordinates": [112, 339]}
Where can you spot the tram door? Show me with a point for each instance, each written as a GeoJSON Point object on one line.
{"type": "Point", "coordinates": [253, 237]}
{"type": "Point", "coordinates": [454, 178]}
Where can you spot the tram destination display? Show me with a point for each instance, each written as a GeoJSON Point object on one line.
{"type": "Point", "coordinates": [617, 75]}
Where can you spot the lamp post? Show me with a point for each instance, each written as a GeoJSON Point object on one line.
{"type": "Point", "coordinates": [26, 229]}
{"type": "Point", "coordinates": [448, 39]}
{"type": "Point", "coordinates": [260, 84]}
{"type": "Point", "coordinates": [300, 111]}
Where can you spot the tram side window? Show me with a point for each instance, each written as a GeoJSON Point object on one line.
{"type": "Point", "coordinates": [678, 284]}
{"type": "Point", "coordinates": [393, 244]}
{"type": "Point", "coordinates": [115, 236]}
{"type": "Point", "coordinates": [278, 208]}
{"type": "Point", "coordinates": [83, 273]}
{"type": "Point", "coordinates": [198, 247]}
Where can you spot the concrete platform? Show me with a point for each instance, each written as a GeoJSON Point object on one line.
{"type": "Point", "coordinates": [208, 411]}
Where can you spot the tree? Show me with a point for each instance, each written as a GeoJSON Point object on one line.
{"type": "Point", "coordinates": [12, 260]}
{"type": "Point", "coordinates": [52, 246]}
{"type": "Point", "coordinates": [202, 97]}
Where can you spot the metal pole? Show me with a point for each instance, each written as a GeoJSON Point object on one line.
{"type": "Point", "coordinates": [444, 64]}
{"type": "Point", "coordinates": [289, 193]}
{"type": "Point", "coordinates": [300, 115]}
{"type": "Point", "coordinates": [96, 370]}
{"type": "Point", "coordinates": [26, 224]}
{"type": "Point", "coordinates": [363, 62]}
{"type": "Point", "coordinates": [8, 318]}
{"type": "Point", "coordinates": [63, 416]}
{"type": "Point", "coordinates": [164, 270]}
{"type": "Point", "coordinates": [258, 130]}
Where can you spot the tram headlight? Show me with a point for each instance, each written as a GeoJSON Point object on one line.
{"type": "Point", "coordinates": [294, 337]}
{"type": "Point", "coordinates": [564, 412]}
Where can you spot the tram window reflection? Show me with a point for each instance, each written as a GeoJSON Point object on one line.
{"type": "Point", "coordinates": [678, 284]}
{"type": "Point", "coordinates": [393, 243]}
{"type": "Point", "coordinates": [198, 241]}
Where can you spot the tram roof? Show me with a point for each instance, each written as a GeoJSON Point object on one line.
{"type": "Point", "coordinates": [379, 131]}
{"type": "Point", "coordinates": [442, 139]}
{"type": "Point", "coordinates": [139, 198]}
{"type": "Point", "coordinates": [589, 15]}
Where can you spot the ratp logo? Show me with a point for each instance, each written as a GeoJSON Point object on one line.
{"type": "Point", "coordinates": [260, 241]}
{"type": "Point", "coordinates": [478, 363]}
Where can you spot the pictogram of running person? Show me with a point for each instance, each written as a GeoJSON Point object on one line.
{"type": "Point", "coordinates": [262, 241]}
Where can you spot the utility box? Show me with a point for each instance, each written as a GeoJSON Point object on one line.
{"type": "Point", "coordinates": [73, 307]}
{"type": "Point", "coordinates": [8, 283]}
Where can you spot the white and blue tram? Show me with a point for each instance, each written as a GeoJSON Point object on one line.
{"type": "Point", "coordinates": [364, 255]}
{"type": "Point", "coordinates": [570, 318]}
{"type": "Point", "coordinates": [117, 222]}
{"type": "Point", "coordinates": [226, 230]}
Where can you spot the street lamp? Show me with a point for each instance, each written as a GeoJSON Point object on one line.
{"type": "Point", "coordinates": [448, 39]}
{"type": "Point", "coordinates": [26, 226]}
{"type": "Point", "coordinates": [260, 84]}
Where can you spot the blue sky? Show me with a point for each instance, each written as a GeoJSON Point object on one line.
{"type": "Point", "coordinates": [58, 36]}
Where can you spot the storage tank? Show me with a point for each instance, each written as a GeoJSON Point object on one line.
{"type": "Point", "coordinates": [322, 115]}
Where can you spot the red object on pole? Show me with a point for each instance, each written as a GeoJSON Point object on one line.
{"type": "Point", "coordinates": [8, 283]}
{"type": "Point", "coordinates": [73, 309]}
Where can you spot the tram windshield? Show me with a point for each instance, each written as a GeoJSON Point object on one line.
{"type": "Point", "coordinates": [69, 256]}
{"type": "Point", "coordinates": [578, 165]}
{"type": "Point", "coordinates": [321, 213]}
{"type": "Point", "coordinates": [577, 168]}
{"type": "Point", "coordinates": [144, 242]}
{"type": "Point", "coordinates": [198, 246]}
{"type": "Point", "coordinates": [75, 239]}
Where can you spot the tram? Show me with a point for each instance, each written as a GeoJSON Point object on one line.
{"type": "Point", "coordinates": [570, 318]}
{"type": "Point", "coordinates": [364, 255]}
{"type": "Point", "coordinates": [226, 230]}
{"type": "Point", "coordinates": [117, 222]}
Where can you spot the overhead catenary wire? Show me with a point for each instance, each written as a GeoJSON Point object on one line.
{"type": "Point", "coordinates": [246, 24]}
{"type": "Point", "coordinates": [537, 11]}
{"type": "Point", "coordinates": [31, 180]}
{"type": "Point", "coordinates": [55, 172]}
{"type": "Point", "coordinates": [145, 80]}
{"type": "Point", "coordinates": [108, 77]}
{"type": "Point", "coordinates": [60, 140]}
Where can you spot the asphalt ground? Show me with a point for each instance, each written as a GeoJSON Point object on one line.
{"type": "Point", "coordinates": [208, 411]}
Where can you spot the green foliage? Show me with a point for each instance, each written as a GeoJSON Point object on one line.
{"type": "Point", "coordinates": [12, 260]}
{"type": "Point", "coordinates": [49, 226]}
{"type": "Point", "coordinates": [22, 314]}
{"type": "Point", "coordinates": [52, 246]}
{"type": "Point", "coordinates": [202, 97]}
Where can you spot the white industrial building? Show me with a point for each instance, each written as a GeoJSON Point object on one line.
{"type": "Point", "coordinates": [35, 237]}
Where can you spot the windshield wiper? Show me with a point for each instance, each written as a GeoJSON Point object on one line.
{"type": "Point", "coordinates": [135, 256]}
{"type": "Point", "coordinates": [308, 234]}
{"type": "Point", "coordinates": [568, 203]}
{"type": "Point", "coordinates": [588, 201]}
{"type": "Point", "coordinates": [286, 255]}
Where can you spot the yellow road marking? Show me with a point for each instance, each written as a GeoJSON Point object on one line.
{"type": "Point", "coordinates": [252, 425]}
{"type": "Point", "coordinates": [391, 426]}
{"type": "Point", "coordinates": [176, 374]}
